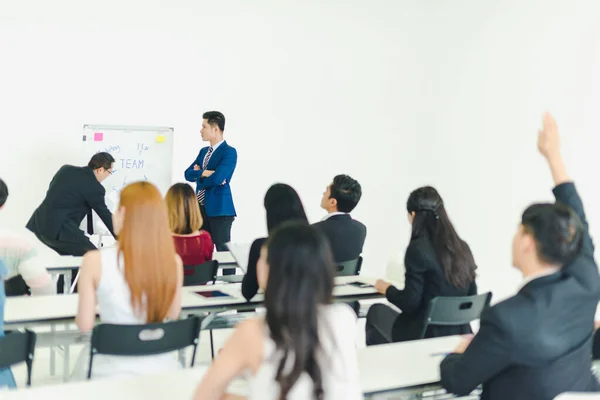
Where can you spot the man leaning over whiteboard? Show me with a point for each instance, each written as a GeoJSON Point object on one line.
{"type": "Point", "coordinates": [212, 171]}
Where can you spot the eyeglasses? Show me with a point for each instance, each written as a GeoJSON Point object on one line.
{"type": "Point", "coordinates": [110, 171]}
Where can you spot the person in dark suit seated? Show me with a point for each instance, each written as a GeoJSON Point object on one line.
{"type": "Point", "coordinates": [538, 343]}
{"type": "Point", "coordinates": [346, 235]}
{"type": "Point", "coordinates": [438, 263]}
{"type": "Point", "coordinates": [282, 204]}
{"type": "Point", "coordinates": [193, 245]}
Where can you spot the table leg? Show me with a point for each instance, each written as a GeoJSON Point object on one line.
{"type": "Point", "coordinates": [66, 359]}
{"type": "Point", "coordinates": [67, 283]}
{"type": "Point", "coordinates": [52, 353]}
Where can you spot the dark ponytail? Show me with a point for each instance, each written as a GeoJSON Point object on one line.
{"type": "Point", "coordinates": [431, 220]}
{"type": "Point", "coordinates": [301, 274]}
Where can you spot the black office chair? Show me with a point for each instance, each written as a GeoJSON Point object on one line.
{"type": "Point", "coordinates": [348, 268]}
{"type": "Point", "coordinates": [144, 340]}
{"type": "Point", "coordinates": [17, 347]}
{"type": "Point", "coordinates": [200, 274]}
{"type": "Point", "coordinates": [16, 286]}
{"type": "Point", "coordinates": [455, 311]}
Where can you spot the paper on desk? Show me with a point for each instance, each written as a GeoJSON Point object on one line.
{"type": "Point", "coordinates": [240, 252]}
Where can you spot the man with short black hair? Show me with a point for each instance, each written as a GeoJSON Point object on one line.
{"type": "Point", "coordinates": [212, 172]}
{"type": "Point", "coordinates": [73, 193]}
{"type": "Point", "coordinates": [537, 344]}
{"type": "Point", "coordinates": [346, 235]}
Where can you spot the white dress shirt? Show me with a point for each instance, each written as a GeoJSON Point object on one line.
{"type": "Point", "coordinates": [205, 161]}
{"type": "Point", "coordinates": [333, 214]}
{"type": "Point", "coordinates": [532, 277]}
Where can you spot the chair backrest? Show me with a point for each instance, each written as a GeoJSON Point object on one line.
{"type": "Point", "coordinates": [148, 339]}
{"type": "Point", "coordinates": [455, 311]}
{"type": "Point", "coordinates": [17, 347]}
{"type": "Point", "coordinates": [347, 268]}
{"type": "Point", "coordinates": [200, 274]}
{"type": "Point", "coordinates": [16, 286]}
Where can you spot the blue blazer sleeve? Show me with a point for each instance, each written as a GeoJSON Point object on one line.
{"type": "Point", "coordinates": [223, 171]}
{"type": "Point", "coordinates": [190, 174]}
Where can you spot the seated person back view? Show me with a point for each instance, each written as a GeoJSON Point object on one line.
{"type": "Point", "coordinates": [302, 329]}
{"type": "Point", "coordinates": [438, 263]}
{"type": "Point", "coordinates": [136, 281]}
{"type": "Point", "coordinates": [538, 343]}
{"type": "Point", "coordinates": [282, 204]}
{"type": "Point", "coordinates": [194, 246]}
{"type": "Point", "coordinates": [25, 270]}
{"type": "Point", "coordinates": [346, 235]}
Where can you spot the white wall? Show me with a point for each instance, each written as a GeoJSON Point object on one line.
{"type": "Point", "coordinates": [396, 93]}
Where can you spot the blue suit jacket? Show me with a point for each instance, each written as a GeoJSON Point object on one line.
{"type": "Point", "coordinates": [218, 201]}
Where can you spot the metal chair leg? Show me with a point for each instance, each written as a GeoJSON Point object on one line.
{"type": "Point", "coordinates": [212, 347]}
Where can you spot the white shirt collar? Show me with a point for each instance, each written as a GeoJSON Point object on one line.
{"type": "Point", "coordinates": [532, 277]}
{"type": "Point", "coordinates": [217, 145]}
{"type": "Point", "coordinates": [333, 214]}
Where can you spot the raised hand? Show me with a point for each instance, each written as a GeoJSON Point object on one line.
{"type": "Point", "coordinates": [549, 147]}
{"type": "Point", "coordinates": [548, 137]}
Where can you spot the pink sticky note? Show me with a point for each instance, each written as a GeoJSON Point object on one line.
{"type": "Point", "coordinates": [98, 136]}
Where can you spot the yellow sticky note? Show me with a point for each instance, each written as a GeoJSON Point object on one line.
{"type": "Point", "coordinates": [160, 138]}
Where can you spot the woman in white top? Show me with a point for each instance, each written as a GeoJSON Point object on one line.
{"type": "Point", "coordinates": [304, 348]}
{"type": "Point", "coordinates": [137, 281]}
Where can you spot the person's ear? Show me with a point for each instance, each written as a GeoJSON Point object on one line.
{"type": "Point", "coordinates": [528, 244]}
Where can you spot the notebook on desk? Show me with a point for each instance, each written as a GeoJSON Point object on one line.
{"type": "Point", "coordinates": [240, 253]}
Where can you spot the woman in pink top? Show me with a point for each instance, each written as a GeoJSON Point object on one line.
{"type": "Point", "coordinates": [193, 245]}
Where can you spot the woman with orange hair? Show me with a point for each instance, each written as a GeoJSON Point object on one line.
{"type": "Point", "coordinates": [137, 281]}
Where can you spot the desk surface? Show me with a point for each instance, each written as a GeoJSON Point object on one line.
{"type": "Point", "coordinates": [28, 310]}
{"type": "Point", "coordinates": [382, 368]}
{"type": "Point", "coordinates": [60, 263]}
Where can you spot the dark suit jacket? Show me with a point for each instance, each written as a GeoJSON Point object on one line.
{"type": "Point", "coordinates": [73, 192]}
{"type": "Point", "coordinates": [424, 280]}
{"type": "Point", "coordinates": [218, 201]}
{"type": "Point", "coordinates": [537, 343]}
{"type": "Point", "coordinates": [250, 281]}
{"type": "Point", "coordinates": [346, 236]}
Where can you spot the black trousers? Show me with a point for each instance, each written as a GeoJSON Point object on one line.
{"type": "Point", "coordinates": [220, 231]}
{"type": "Point", "coordinates": [77, 246]}
{"type": "Point", "coordinates": [380, 324]}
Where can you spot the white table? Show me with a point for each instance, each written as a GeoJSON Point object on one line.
{"type": "Point", "coordinates": [66, 263]}
{"type": "Point", "coordinates": [24, 311]}
{"type": "Point", "coordinates": [397, 366]}
{"type": "Point", "coordinates": [34, 311]}
{"type": "Point", "coordinates": [57, 265]}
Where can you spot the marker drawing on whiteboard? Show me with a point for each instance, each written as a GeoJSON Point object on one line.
{"type": "Point", "coordinates": [145, 178]}
{"type": "Point", "coordinates": [141, 148]}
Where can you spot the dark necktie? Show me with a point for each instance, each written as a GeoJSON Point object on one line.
{"type": "Point", "coordinates": [202, 192]}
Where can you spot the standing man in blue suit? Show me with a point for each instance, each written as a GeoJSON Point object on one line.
{"type": "Point", "coordinates": [212, 171]}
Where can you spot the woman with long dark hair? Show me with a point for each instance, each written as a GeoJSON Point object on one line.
{"type": "Point", "coordinates": [282, 204]}
{"type": "Point", "coordinates": [304, 347]}
{"type": "Point", "coordinates": [438, 263]}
